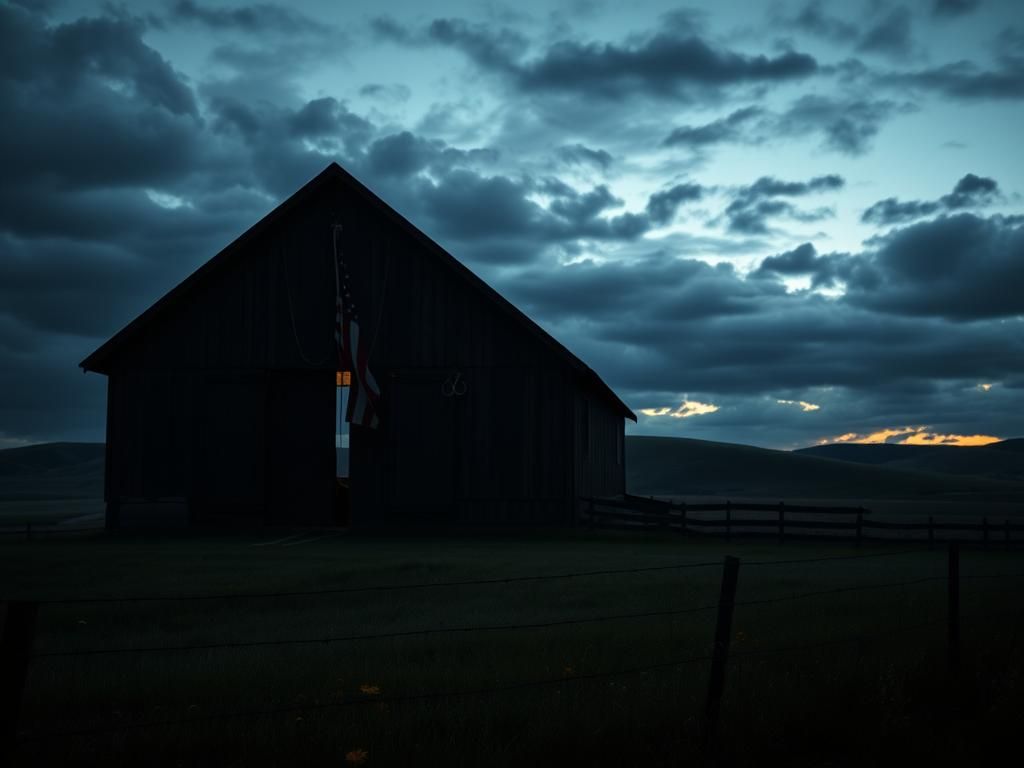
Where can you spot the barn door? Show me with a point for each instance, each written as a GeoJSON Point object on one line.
{"type": "Point", "coordinates": [300, 447]}
{"type": "Point", "coordinates": [423, 436]}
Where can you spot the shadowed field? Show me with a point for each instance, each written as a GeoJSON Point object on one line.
{"type": "Point", "coordinates": [539, 695]}
{"type": "Point", "coordinates": [669, 466]}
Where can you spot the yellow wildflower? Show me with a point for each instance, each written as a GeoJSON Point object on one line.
{"type": "Point", "coordinates": [370, 690]}
{"type": "Point", "coordinates": [356, 756]}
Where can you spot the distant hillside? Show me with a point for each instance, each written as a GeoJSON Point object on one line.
{"type": "Point", "coordinates": [661, 466]}
{"type": "Point", "coordinates": [681, 466]}
{"type": "Point", "coordinates": [52, 471]}
{"type": "Point", "coordinates": [997, 461]}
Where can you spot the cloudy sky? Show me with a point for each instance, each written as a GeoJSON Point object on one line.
{"type": "Point", "coordinates": [772, 223]}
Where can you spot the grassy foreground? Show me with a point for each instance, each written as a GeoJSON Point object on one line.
{"type": "Point", "coordinates": [880, 700]}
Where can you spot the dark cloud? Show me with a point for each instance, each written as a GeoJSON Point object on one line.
{"type": "Point", "coordinates": [813, 19]}
{"type": "Point", "coordinates": [394, 91]}
{"type": "Point", "coordinates": [387, 28]}
{"type": "Point", "coordinates": [754, 205]}
{"type": "Point", "coordinates": [958, 268]}
{"type": "Point", "coordinates": [467, 204]}
{"type": "Point", "coordinates": [400, 154]}
{"type": "Point", "coordinates": [669, 63]}
{"type": "Point", "coordinates": [662, 206]}
{"type": "Point", "coordinates": [133, 119]}
{"type": "Point", "coordinates": [890, 35]}
{"type": "Point", "coordinates": [579, 154]}
{"type": "Point", "coordinates": [802, 260]}
{"type": "Point", "coordinates": [970, 192]}
{"type": "Point", "coordinates": [845, 125]}
{"type": "Point", "coordinates": [89, 58]}
{"type": "Point", "coordinates": [950, 8]}
{"type": "Point", "coordinates": [726, 129]}
{"type": "Point", "coordinates": [663, 65]}
{"type": "Point", "coordinates": [848, 126]}
{"type": "Point", "coordinates": [961, 267]}
{"type": "Point", "coordinates": [892, 211]}
{"type": "Point", "coordinates": [495, 50]}
{"type": "Point", "coordinates": [258, 19]}
{"type": "Point", "coordinates": [327, 117]}
{"type": "Point", "coordinates": [964, 80]}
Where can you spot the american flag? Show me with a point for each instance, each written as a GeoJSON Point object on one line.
{"type": "Point", "coordinates": [364, 393]}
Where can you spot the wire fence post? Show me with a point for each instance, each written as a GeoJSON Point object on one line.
{"type": "Point", "coordinates": [720, 653]}
{"type": "Point", "coordinates": [683, 529]}
{"type": "Point", "coordinates": [15, 653]}
{"type": "Point", "coordinates": [782, 522]}
{"type": "Point", "coordinates": [953, 590]}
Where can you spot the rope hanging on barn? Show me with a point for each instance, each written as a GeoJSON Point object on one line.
{"type": "Point", "coordinates": [291, 315]}
{"type": "Point", "coordinates": [380, 303]}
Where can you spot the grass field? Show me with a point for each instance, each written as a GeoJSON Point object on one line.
{"type": "Point", "coordinates": [883, 698]}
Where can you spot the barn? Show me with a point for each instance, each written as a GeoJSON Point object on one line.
{"type": "Point", "coordinates": [225, 399]}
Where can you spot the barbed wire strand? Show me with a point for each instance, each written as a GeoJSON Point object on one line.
{"type": "Point", "coordinates": [459, 583]}
{"type": "Point", "coordinates": [481, 628]}
{"type": "Point", "coordinates": [379, 587]}
{"type": "Point", "coordinates": [377, 636]}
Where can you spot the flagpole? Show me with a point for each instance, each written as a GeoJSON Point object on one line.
{"type": "Point", "coordinates": [337, 294]}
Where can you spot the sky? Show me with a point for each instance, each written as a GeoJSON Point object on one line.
{"type": "Point", "coordinates": [778, 223]}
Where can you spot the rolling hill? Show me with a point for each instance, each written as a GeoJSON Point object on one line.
{"type": "Point", "coordinates": [997, 461]}
{"type": "Point", "coordinates": [662, 466]}
{"type": "Point", "coordinates": [52, 471]}
{"type": "Point", "coordinates": [687, 467]}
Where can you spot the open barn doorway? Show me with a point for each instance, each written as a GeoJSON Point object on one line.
{"type": "Point", "coordinates": [342, 450]}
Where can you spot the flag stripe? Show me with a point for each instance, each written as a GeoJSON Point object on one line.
{"type": "Point", "coordinates": [364, 393]}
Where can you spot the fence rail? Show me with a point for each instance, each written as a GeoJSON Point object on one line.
{"type": "Point", "coordinates": [648, 513]}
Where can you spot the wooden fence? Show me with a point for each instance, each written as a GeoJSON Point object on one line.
{"type": "Point", "coordinates": [781, 520]}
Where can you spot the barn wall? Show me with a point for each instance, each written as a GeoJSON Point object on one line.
{"type": "Point", "coordinates": [499, 453]}
{"type": "Point", "coordinates": [203, 403]}
{"type": "Point", "coordinates": [599, 431]}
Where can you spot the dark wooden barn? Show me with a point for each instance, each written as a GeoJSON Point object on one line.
{"type": "Point", "coordinates": [222, 398]}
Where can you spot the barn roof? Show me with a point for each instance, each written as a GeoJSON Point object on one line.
{"type": "Point", "coordinates": [99, 361]}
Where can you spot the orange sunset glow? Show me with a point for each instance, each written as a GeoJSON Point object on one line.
{"type": "Point", "coordinates": [911, 436]}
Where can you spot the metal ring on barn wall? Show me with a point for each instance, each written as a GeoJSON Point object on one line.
{"type": "Point", "coordinates": [454, 386]}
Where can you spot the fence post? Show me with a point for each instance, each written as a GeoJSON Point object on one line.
{"type": "Point", "coordinates": [782, 522]}
{"type": "Point", "coordinates": [15, 653]}
{"type": "Point", "coordinates": [860, 524]}
{"type": "Point", "coordinates": [953, 591]}
{"type": "Point", "coordinates": [728, 520]}
{"type": "Point", "coordinates": [984, 531]}
{"type": "Point", "coordinates": [931, 533]}
{"type": "Point", "coordinates": [682, 519]}
{"type": "Point", "coordinates": [720, 652]}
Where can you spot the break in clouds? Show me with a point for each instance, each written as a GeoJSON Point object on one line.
{"type": "Point", "coordinates": [771, 230]}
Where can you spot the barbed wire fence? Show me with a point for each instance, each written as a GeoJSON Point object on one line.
{"type": "Point", "coordinates": [17, 650]}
